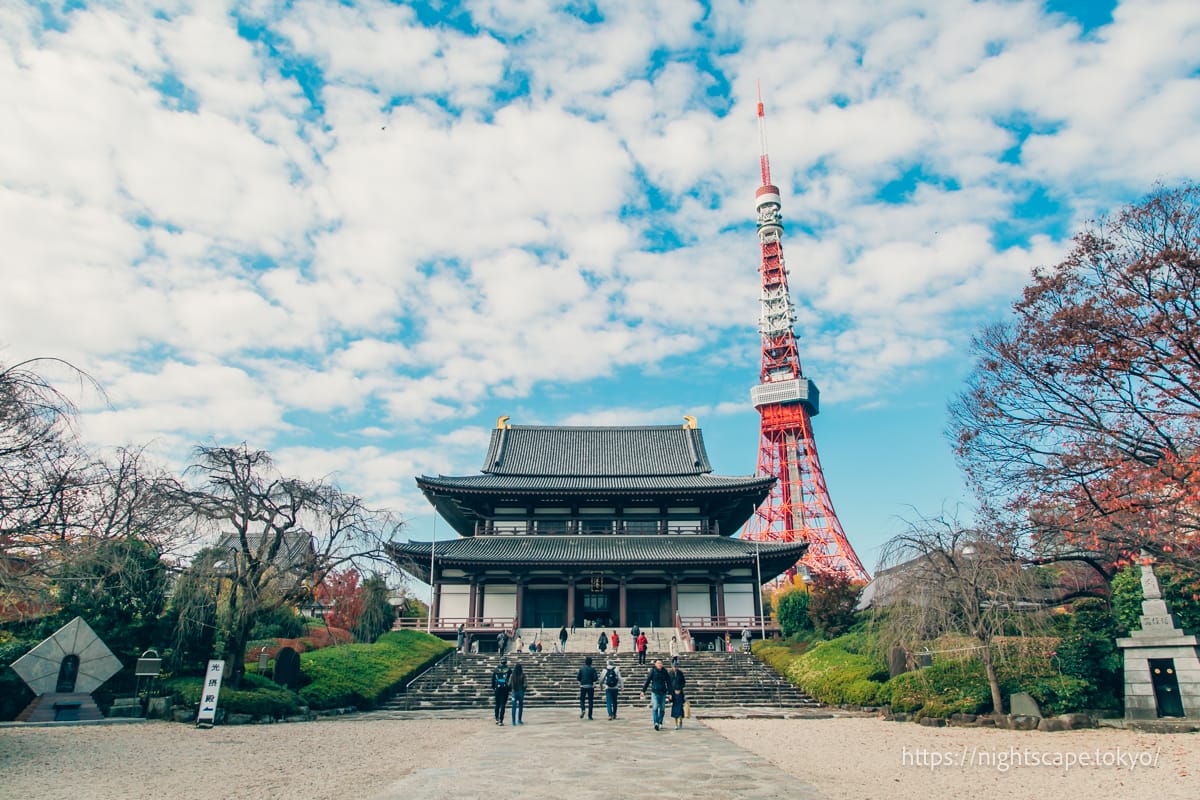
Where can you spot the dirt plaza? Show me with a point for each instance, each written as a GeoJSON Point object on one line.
{"type": "Point", "coordinates": [555, 754]}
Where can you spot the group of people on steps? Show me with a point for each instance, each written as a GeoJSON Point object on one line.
{"type": "Point", "coordinates": [666, 685]}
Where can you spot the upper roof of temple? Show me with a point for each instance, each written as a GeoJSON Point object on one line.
{"type": "Point", "coordinates": [620, 451]}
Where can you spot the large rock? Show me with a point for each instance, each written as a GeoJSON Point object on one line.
{"type": "Point", "coordinates": [1022, 704]}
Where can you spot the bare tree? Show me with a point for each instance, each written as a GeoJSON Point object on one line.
{"type": "Point", "coordinates": [1083, 411]}
{"type": "Point", "coordinates": [278, 536]}
{"type": "Point", "coordinates": [42, 472]}
{"type": "Point", "coordinates": [943, 578]}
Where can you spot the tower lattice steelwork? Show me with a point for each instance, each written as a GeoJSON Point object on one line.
{"type": "Point", "coordinates": [799, 507]}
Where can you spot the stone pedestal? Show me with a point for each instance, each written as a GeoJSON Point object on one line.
{"type": "Point", "coordinates": [1162, 661]}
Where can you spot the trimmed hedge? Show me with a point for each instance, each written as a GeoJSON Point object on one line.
{"type": "Point", "coordinates": [945, 687]}
{"type": "Point", "coordinates": [364, 675]}
{"type": "Point", "coordinates": [258, 696]}
{"type": "Point", "coordinates": [839, 671]}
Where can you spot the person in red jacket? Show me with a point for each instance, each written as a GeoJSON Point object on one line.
{"type": "Point", "coordinates": [616, 642]}
{"type": "Point", "coordinates": [642, 644]}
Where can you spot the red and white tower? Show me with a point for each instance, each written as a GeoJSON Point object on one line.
{"type": "Point", "coordinates": [799, 507]}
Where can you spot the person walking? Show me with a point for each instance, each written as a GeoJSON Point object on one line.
{"type": "Point", "coordinates": [642, 644]}
{"type": "Point", "coordinates": [518, 643]}
{"type": "Point", "coordinates": [616, 643]}
{"type": "Point", "coordinates": [674, 652]}
{"type": "Point", "coordinates": [658, 680]}
{"type": "Point", "coordinates": [519, 683]}
{"type": "Point", "coordinates": [587, 678]}
{"type": "Point", "coordinates": [501, 683]}
{"type": "Point", "coordinates": [678, 681]}
{"type": "Point", "coordinates": [462, 637]}
{"type": "Point", "coordinates": [633, 632]}
{"type": "Point", "coordinates": [613, 683]}
{"type": "Point", "coordinates": [746, 636]}
{"type": "Point", "coordinates": [728, 642]}
{"type": "Point", "coordinates": [562, 640]}
{"type": "Point", "coordinates": [502, 642]}
{"type": "Point", "coordinates": [602, 643]}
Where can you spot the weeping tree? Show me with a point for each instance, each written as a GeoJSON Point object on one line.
{"type": "Point", "coordinates": [277, 537]}
{"type": "Point", "coordinates": [945, 578]}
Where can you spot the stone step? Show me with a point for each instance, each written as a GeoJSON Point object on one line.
{"type": "Point", "coordinates": [464, 681]}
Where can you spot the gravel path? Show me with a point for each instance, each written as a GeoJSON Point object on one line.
{"type": "Point", "coordinates": [558, 755]}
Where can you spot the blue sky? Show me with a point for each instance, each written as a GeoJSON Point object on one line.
{"type": "Point", "coordinates": [355, 234]}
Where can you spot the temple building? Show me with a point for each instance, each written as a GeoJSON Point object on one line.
{"type": "Point", "coordinates": [605, 526]}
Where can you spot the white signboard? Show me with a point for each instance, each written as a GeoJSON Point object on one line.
{"type": "Point", "coordinates": [209, 693]}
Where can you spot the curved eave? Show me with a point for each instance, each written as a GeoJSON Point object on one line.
{"type": "Point", "coordinates": [605, 552]}
{"type": "Point", "coordinates": [733, 499]}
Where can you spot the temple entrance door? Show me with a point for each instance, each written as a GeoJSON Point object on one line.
{"type": "Point", "coordinates": [597, 609]}
{"type": "Point", "coordinates": [545, 608]}
{"type": "Point", "coordinates": [648, 608]}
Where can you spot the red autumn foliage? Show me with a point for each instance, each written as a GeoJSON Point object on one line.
{"type": "Point", "coordinates": [1083, 412]}
{"type": "Point", "coordinates": [315, 639]}
{"type": "Point", "coordinates": [342, 594]}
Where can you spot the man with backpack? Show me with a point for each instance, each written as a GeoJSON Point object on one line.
{"type": "Point", "coordinates": [587, 678]}
{"type": "Point", "coordinates": [501, 683]}
{"type": "Point", "coordinates": [613, 683]}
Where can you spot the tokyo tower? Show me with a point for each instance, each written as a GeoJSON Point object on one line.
{"type": "Point", "coordinates": [799, 507]}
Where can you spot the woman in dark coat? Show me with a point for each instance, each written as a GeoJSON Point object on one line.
{"type": "Point", "coordinates": [678, 681]}
{"type": "Point", "coordinates": [603, 642]}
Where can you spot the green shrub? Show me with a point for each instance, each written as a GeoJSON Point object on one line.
{"type": "Point", "coordinates": [278, 623]}
{"type": "Point", "coordinates": [1088, 651]}
{"type": "Point", "coordinates": [258, 696]}
{"type": "Point", "coordinates": [14, 694]}
{"type": "Point", "coordinates": [1180, 589]}
{"type": "Point", "coordinates": [791, 609]}
{"type": "Point", "coordinates": [363, 675]}
{"type": "Point", "coordinates": [839, 671]}
{"type": "Point", "coordinates": [945, 687]}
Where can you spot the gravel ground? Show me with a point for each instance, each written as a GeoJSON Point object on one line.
{"type": "Point", "coordinates": [323, 760]}
{"type": "Point", "coordinates": [855, 758]}
{"type": "Point", "coordinates": [843, 757]}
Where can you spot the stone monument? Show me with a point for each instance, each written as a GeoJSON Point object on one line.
{"type": "Point", "coordinates": [1162, 661]}
{"type": "Point", "coordinates": [63, 671]}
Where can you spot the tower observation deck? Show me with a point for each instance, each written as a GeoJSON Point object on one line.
{"type": "Point", "coordinates": [799, 507]}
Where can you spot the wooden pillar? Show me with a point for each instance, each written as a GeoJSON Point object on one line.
{"type": "Point", "coordinates": [674, 603]}
{"type": "Point", "coordinates": [435, 601]}
{"type": "Point", "coordinates": [721, 597]}
{"type": "Point", "coordinates": [622, 620]}
{"type": "Point", "coordinates": [471, 615]}
{"type": "Point", "coordinates": [520, 602]}
{"type": "Point", "coordinates": [571, 602]}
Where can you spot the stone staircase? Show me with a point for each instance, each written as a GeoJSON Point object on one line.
{"type": "Point", "coordinates": [463, 681]}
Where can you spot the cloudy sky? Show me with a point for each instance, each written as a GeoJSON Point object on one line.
{"type": "Point", "coordinates": [355, 233]}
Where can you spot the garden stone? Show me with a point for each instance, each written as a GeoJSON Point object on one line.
{"type": "Point", "coordinates": [184, 715]}
{"type": "Point", "coordinates": [1023, 722]}
{"type": "Point", "coordinates": [159, 708]}
{"type": "Point", "coordinates": [933, 722]}
{"type": "Point", "coordinates": [1022, 704]}
{"type": "Point", "coordinates": [1053, 724]}
{"type": "Point", "coordinates": [287, 668]}
{"type": "Point", "coordinates": [238, 719]}
{"type": "Point", "coordinates": [1078, 720]}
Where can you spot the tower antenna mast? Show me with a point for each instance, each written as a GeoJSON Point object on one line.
{"type": "Point", "coordinates": [799, 507]}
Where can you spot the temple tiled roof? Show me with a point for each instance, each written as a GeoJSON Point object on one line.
{"type": "Point", "coordinates": [658, 450]}
{"type": "Point", "coordinates": [585, 483]}
{"type": "Point", "coordinates": [595, 552]}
